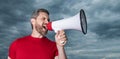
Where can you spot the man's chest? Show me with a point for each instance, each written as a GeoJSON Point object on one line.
{"type": "Point", "coordinates": [35, 51]}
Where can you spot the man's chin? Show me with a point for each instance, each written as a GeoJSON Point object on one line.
{"type": "Point", "coordinates": [45, 32]}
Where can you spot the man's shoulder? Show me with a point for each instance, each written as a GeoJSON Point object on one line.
{"type": "Point", "coordinates": [16, 42]}
{"type": "Point", "coordinates": [21, 38]}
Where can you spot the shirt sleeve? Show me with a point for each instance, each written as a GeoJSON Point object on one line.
{"type": "Point", "coordinates": [12, 50]}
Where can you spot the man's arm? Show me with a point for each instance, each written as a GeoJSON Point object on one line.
{"type": "Point", "coordinates": [62, 54]}
{"type": "Point", "coordinates": [61, 39]}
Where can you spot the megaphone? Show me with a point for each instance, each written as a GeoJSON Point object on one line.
{"type": "Point", "coordinates": [77, 22]}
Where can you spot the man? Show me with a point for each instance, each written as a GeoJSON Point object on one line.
{"type": "Point", "coordinates": [36, 45]}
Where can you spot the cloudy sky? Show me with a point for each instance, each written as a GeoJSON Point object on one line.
{"type": "Point", "coordinates": [103, 16]}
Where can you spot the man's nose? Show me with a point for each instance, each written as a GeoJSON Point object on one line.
{"type": "Point", "coordinates": [46, 21]}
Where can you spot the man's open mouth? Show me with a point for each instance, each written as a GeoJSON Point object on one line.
{"type": "Point", "coordinates": [45, 27]}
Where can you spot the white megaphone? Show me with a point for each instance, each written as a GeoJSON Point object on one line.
{"type": "Point", "coordinates": [77, 22]}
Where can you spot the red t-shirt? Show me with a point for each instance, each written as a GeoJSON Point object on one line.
{"type": "Point", "coordinates": [29, 47]}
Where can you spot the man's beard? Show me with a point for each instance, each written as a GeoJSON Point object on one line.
{"type": "Point", "coordinates": [41, 29]}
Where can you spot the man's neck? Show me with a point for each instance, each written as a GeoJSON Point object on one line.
{"type": "Point", "coordinates": [36, 34]}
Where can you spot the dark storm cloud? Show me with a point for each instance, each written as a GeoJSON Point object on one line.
{"type": "Point", "coordinates": [104, 19]}
{"type": "Point", "coordinates": [107, 30]}
{"type": "Point", "coordinates": [14, 12]}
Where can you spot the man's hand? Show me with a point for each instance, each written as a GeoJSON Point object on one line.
{"type": "Point", "coordinates": [60, 38]}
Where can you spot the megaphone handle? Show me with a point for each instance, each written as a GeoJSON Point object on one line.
{"type": "Point", "coordinates": [56, 30]}
{"type": "Point", "coordinates": [61, 41]}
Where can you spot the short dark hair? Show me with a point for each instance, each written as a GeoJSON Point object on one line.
{"type": "Point", "coordinates": [36, 12]}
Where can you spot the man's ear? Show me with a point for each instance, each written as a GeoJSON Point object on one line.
{"type": "Point", "coordinates": [32, 21]}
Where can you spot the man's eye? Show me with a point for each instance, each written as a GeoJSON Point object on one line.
{"type": "Point", "coordinates": [43, 18]}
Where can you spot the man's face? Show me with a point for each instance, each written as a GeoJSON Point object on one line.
{"type": "Point", "coordinates": [41, 22]}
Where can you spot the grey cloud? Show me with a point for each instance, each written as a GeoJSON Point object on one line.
{"type": "Point", "coordinates": [107, 30]}
{"type": "Point", "coordinates": [14, 11]}
{"type": "Point", "coordinates": [12, 14]}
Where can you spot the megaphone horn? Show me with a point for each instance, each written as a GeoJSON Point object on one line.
{"type": "Point", "coordinates": [77, 22]}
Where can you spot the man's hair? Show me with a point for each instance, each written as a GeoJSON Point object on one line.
{"type": "Point", "coordinates": [36, 12]}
